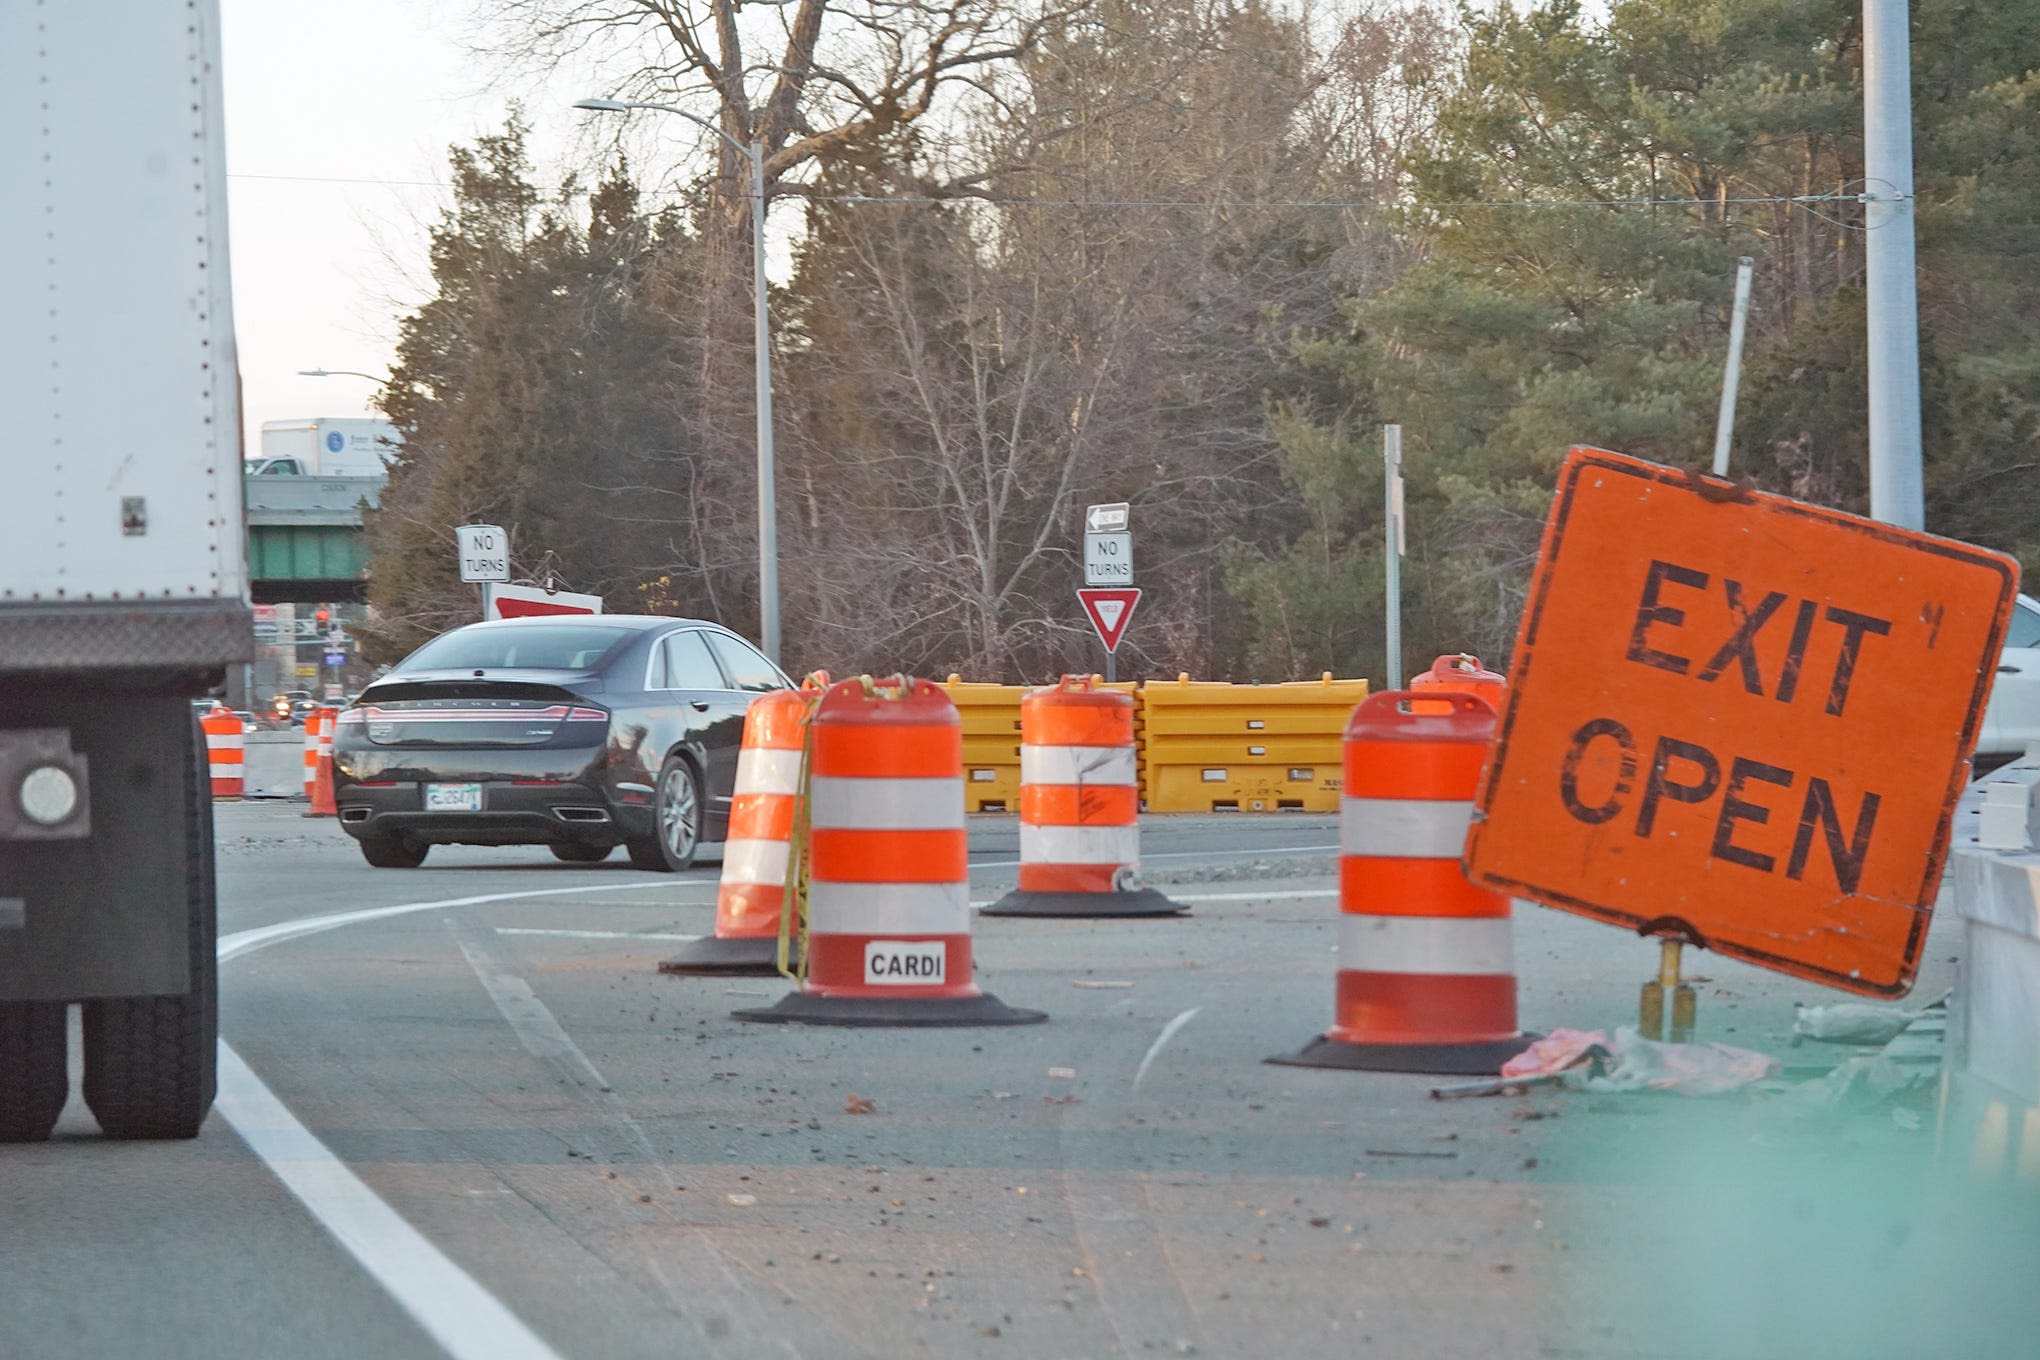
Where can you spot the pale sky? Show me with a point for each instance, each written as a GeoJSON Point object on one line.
{"type": "Point", "coordinates": [366, 90]}
{"type": "Point", "coordinates": [339, 114]}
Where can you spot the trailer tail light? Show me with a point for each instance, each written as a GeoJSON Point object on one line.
{"type": "Point", "coordinates": [44, 792]}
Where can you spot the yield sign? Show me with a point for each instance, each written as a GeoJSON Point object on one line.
{"type": "Point", "coordinates": [1111, 609]}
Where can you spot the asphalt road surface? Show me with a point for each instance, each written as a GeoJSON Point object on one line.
{"type": "Point", "coordinates": [462, 1114]}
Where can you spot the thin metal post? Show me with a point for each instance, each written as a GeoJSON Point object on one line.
{"type": "Point", "coordinates": [768, 510]}
{"type": "Point", "coordinates": [1391, 460]}
{"type": "Point", "coordinates": [1897, 493]}
{"type": "Point", "coordinates": [1731, 375]}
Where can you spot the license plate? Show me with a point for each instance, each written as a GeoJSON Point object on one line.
{"type": "Point", "coordinates": [453, 797]}
{"type": "Point", "coordinates": [905, 963]}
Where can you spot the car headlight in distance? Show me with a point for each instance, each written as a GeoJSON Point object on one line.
{"type": "Point", "coordinates": [48, 795]}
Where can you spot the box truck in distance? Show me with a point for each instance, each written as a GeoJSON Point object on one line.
{"type": "Point", "coordinates": [123, 591]}
{"type": "Point", "coordinates": [328, 446]}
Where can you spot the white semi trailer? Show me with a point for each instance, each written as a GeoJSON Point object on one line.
{"type": "Point", "coordinates": [123, 590]}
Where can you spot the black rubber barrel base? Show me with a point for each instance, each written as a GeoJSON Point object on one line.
{"type": "Point", "coordinates": [1144, 902]}
{"type": "Point", "coordinates": [799, 1008]}
{"type": "Point", "coordinates": [736, 956]}
{"type": "Point", "coordinates": [1444, 1060]}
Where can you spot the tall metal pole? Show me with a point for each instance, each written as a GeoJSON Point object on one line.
{"type": "Point", "coordinates": [768, 508]}
{"type": "Point", "coordinates": [1731, 375]}
{"type": "Point", "coordinates": [1897, 494]}
{"type": "Point", "coordinates": [1391, 461]}
{"type": "Point", "coordinates": [768, 513]}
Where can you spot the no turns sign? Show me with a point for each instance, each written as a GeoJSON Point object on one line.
{"type": "Point", "coordinates": [1740, 718]}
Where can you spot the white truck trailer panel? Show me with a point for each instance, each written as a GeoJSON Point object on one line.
{"type": "Point", "coordinates": [333, 446]}
{"type": "Point", "coordinates": [117, 357]}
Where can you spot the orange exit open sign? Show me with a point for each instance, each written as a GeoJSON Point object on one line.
{"type": "Point", "coordinates": [1740, 718]}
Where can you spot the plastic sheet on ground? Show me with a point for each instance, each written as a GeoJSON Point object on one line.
{"type": "Point", "coordinates": [1593, 1060]}
{"type": "Point", "coordinates": [1852, 1023]}
{"type": "Point", "coordinates": [1863, 1082]}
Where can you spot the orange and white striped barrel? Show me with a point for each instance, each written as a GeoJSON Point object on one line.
{"type": "Point", "coordinates": [754, 869]}
{"type": "Point", "coordinates": [1426, 977]}
{"type": "Point", "coordinates": [1460, 671]}
{"type": "Point", "coordinates": [319, 727]}
{"type": "Point", "coordinates": [888, 900]}
{"type": "Point", "coordinates": [225, 751]}
{"type": "Point", "coordinates": [314, 720]}
{"type": "Point", "coordinates": [1079, 807]}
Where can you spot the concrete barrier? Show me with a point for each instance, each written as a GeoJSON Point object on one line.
{"type": "Point", "coordinates": [1990, 1108]}
{"type": "Point", "coordinates": [275, 764]}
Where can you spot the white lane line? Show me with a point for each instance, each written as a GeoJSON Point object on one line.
{"type": "Point", "coordinates": [467, 1321]}
{"type": "Point", "coordinates": [245, 941]}
{"type": "Point", "coordinates": [1244, 854]}
{"type": "Point", "coordinates": [1251, 896]}
{"type": "Point", "coordinates": [1273, 896]}
{"type": "Point", "coordinates": [730, 1320]}
{"type": "Point", "coordinates": [1168, 1032]}
{"type": "Point", "coordinates": [1190, 854]}
{"type": "Point", "coordinates": [592, 934]}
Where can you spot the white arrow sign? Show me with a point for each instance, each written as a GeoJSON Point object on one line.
{"type": "Point", "coordinates": [484, 552]}
{"type": "Point", "coordinates": [1108, 559]}
{"type": "Point", "coordinates": [1105, 518]}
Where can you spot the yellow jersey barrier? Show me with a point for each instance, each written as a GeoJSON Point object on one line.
{"type": "Point", "coordinates": [991, 743]}
{"type": "Point", "coordinates": [1204, 745]}
{"type": "Point", "coordinates": [991, 739]}
{"type": "Point", "coordinates": [1208, 746]}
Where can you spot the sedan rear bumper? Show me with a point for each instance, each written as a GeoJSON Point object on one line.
{"type": "Point", "coordinates": [512, 814]}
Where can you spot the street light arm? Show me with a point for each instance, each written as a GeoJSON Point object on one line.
{"type": "Point", "coordinates": [342, 373]}
{"type": "Point", "coordinates": [620, 105]}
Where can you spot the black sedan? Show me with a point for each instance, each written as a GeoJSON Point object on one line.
{"type": "Point", "coordinates": [581, 734]}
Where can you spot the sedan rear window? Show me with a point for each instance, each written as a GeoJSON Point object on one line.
{"type": "Point", "coordinates": [549, 647]}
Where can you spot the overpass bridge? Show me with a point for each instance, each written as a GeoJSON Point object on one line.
{"type": "Point", "coordinates": [305, 541]}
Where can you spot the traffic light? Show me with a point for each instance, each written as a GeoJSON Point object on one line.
{"type": "Point", "coordinates": [324, 616]}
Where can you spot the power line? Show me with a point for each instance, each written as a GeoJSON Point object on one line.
{"type": "Point", "coordinates": [1333, 204]}
{"type": "Point", "coordinates": [341, 179]}
{"type": "Point", "coordinates": [1327, 202]}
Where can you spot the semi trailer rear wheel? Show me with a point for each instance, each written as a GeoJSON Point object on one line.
{"type": "Point", "coordinates": [150, 1060]}
{"type": "Point", "coordinates": [33, 1082]}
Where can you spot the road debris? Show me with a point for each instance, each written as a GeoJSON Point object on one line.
{"type": "Point", "coordinates": [855, 1104]}
{"type": "Point", "coordinates": [1592, 1060]}
{"type": "Point", "coordinates": [1495, 1086]}
{"type": "Point", "coordinates": [742, 1201]}
{"type": "Point", "coordinates": [1063, 1073]}
{"type": "Point", "coordinates": [1101, 986]}
{"type": "Point", "coordinates": [1852, 1023]}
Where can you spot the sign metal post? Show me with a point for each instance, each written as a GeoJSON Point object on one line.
{"type": "Point", "coordinates": [1108, 563]}
{"type": "Point", "coordinates": [1392, 546]}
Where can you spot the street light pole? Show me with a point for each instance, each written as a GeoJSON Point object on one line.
{"type": "Point", "coordinates": [768, 511]}
{"type": "Point", "coordinates": [1897, 491]}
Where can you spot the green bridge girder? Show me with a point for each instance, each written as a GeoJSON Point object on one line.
{"type": "Point", "coordinates": [305, 540]}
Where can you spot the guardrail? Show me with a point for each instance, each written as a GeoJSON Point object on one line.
{"type": "Point", "coordinates": [1990, 1113]}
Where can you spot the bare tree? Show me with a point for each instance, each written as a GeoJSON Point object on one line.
{"type": "Point", "coordinates": [1110, 326]}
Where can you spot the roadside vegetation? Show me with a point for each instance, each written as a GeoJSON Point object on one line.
{"type": "Point", "coordinates": [1193, 254]}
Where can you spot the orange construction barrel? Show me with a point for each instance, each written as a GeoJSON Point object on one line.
{"type": "Point", "coordinates": [888, 899]}
{"type": "Point", "coordinates": [1079, 807]}
{"type": "Point", "coordinates": [766, 801]}
{"type": "Point", "coordinates": [1426, 977]}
